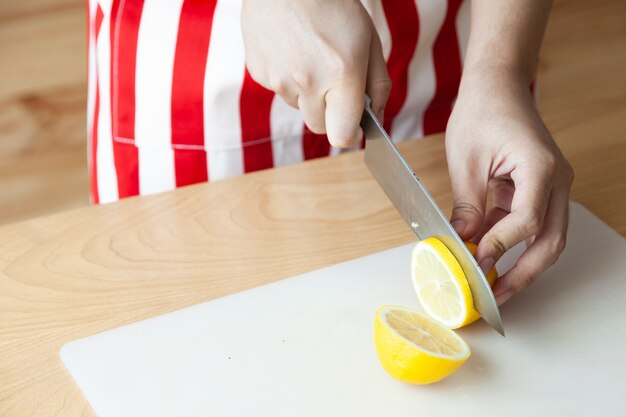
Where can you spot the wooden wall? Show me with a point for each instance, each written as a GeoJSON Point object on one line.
{"type": "Point", "coordinates": [42, 107]}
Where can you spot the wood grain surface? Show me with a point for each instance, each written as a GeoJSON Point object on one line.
{"type": "Point", "coordinates": [84, 271]}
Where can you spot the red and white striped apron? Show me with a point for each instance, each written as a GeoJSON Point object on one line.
{"type": "Point", "coordinates": [170, 102]}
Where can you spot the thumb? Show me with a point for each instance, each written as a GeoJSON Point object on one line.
{"type": "Point", "coordinates": [470, 194]}
{"type": "Point", "coordinates": [378, 82]}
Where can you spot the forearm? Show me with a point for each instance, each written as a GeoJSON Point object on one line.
{"type": "Point", "coordinates": [505, 37]}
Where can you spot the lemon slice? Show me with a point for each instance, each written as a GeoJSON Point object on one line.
{"type": "Point", "coordinates": [414, 348]}
{"type": "Point", "coordinates": [441, 285]}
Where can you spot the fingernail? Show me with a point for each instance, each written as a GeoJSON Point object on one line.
{"type": "Point", "coordinates": [458, 225]}
{"type": "Point", "coordinates": [486, 265]}
{"type": "Point", "coordinates": [380, 115]}
{"type": "Point", "coordinates": [502, 298]}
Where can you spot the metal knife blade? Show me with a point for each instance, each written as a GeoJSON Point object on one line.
{"type": "Point", "coordinates": [420, 211]}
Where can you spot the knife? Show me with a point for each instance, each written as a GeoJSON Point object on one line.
{"type": "Point", "coordinates": [420, 211]}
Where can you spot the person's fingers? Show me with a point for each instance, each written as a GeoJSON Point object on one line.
{"type": "Point", "coordinates": [542, 252]}
{"type": "Point", "coordinates": [313, 111]}
{"type": "Point", "coordinates": [344, 108]}
{"type": "Point", "coordinates": [502, 193]}
{"type": "Point", "coordinates": [528, 210]}
{"type": "Point", "coordinates": [378, 84]}
{"type": "Point", "coordinates": [470, 195]}
{"type": "Point", "coordinates": [494, 215]}
{"type": "Point", "coordinates": [284, 87]}
{"type": "Point", "coordinates": [503, 190]}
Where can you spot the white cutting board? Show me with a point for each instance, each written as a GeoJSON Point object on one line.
{"type": "Point", "coordinates": [303, 347]}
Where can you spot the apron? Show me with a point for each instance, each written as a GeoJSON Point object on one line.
{"type": "Point", "coordinates": [170, 102]}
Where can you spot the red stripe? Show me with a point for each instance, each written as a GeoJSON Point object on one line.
{"type": "Point", "coordinates": [192, 47]}
{"type": "Point", "coordinates": [95, 196]}
{"type": "Point", "coordinates": [99, 18]}
{"type": "Point", "coordinates": [255, 104]}
{"type": "Point", "coordinates": [447, 62]}
{"type": "Point", "coordinates": [314, 145]}
{"type": "Point", "coordinates": [125, 18]}
{"type": "Point", "coordinates": [403, 22]}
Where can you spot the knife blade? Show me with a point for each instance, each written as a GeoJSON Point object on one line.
{"type": "Point", "coordinates": [421, 212]}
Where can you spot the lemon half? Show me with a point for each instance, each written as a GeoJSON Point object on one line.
{"type": "Point", "coordinates": [414, 348]}
{"type": "Point", "coordinates": [441, 285]}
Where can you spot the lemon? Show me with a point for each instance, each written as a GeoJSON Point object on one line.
{"type": "Point", "coordinates": [441, 285]}
{"type": "Point", "coordinates": [491, 276]}
{"type": "Point", "coordinates": [414, 348]}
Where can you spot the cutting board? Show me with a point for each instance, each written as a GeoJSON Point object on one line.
{"type": "Point", "coordinates": [303, 346]}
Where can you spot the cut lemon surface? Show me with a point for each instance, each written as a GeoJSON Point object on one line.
{"type": "Point", "coordinates": [440, 284]}
{"type": "Point", "coordinates": [414, 348]}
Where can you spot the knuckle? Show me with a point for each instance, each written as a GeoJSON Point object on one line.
{"type": "Point", "coordinates": [526, 281]}
{"type": "Point", "coordinates": [304, 80]}
{"type": "Point", "coordinates": [557, 245]}
{"type": "Point", "coordinates": [382, 88]}
{"type": "Point", "coordinates": [278, 84]}
{"type": "Point", "coordinates": [342, 65]}
{"type": "Point", "coordinates": [498, 245]}
{"type": "Point", "coordinates": [462, 208]}
{"type": "Point", "coordinates": [532, 224]}
{"type": "Point", "coordinates": [550, 163]}
{"type": "Point", "coordinates": [524, 278]}
{"type": "Point", "coordinates": [546, 165]}
{"type": "Point", "coordinates": [568, 173]}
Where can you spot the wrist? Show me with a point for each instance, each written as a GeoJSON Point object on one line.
{"type": "Point", "coordinates": [495, 78]}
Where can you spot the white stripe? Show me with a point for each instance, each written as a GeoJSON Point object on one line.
{"type": "Point", "coordinates": [91, 67]}
{"type": "Point", "coordinates": [463, 22]}
{"type": "Point", "coordinates": [105, 5]}
{"type": "Point", "coordinates": [422, 83]}
{"type": "Point", "coordinates": [376, 11]}
{"type": "Point", "coordinates": [156, 47]}
{"type": "Point", "coordinates": [107, 176]}
{"type": "Point", "coordinates": [91, 83]}
{"type": "Point", "coordinates": [223, 80]}
{"type": "Point", "coordinates": [156, 170]}
{"type": "Point", "coordinates": [287, 130]}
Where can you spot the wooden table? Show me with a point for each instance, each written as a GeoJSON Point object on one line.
{"type": "Point", "coordinates": [81, 272]}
